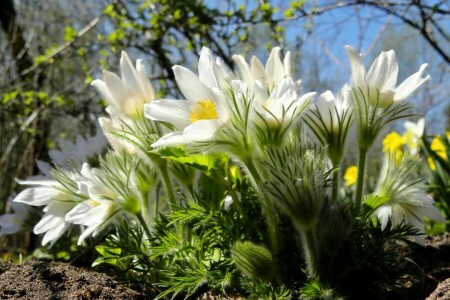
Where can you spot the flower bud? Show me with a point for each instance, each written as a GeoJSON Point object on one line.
{"type": "Point", "coordinates": [253, 260]}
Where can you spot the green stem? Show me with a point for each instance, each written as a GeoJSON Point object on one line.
{"type": "Point", "coordinates": [143, 224]}
{"type": "Point", "coordinates": [311, 252]}
{"type": "Point", "coordinates": [167, 184]}
{"type": "Point", "coordinates": [334, 191]}
{"type": "Point", "coordinates": [236, 200]}
{"type": "Point", "coordinates": [360, 182]}
{"type": "Point", "coordinates": [268, 209]}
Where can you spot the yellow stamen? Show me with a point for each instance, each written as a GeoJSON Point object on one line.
{"type": "Point", "coordinates": [204, 110]}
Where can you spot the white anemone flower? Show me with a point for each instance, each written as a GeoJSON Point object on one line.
{"type": "Point", "coordinates": [127, 95]}
{"type": "Point", "coordinates": [13, 222]}
{"type": "Point", "coordinates": [204, 111]}
{"type": "Point", "coordinates": [329, 119]}
{"type": "Point", "coordinates": [80, 151]}
{"type": "Point", "coordinates": [274, 71]}
{"type": "Point", "coordinates": [57, 203]}
{"type": "Point", "coordinates": [332, 109]}
{"type": "Point", "coordinates": [283, 104]}
{"type": "Point", "coordinates": [379, 83]}
{"type": "Point", "coordinates": [98, 209]}
{"type": "Point", "coordinates": [403, 197]}
{"type": "Point", "coordinates": [413, 134]}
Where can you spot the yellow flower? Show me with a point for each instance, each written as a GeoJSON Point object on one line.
{"type": "Point", "coordinates": [431, 164]}
{"type": "Point", "coordinates": [392, 142]}
{"type": "Point", "coordinates": [398, 156]}
{"type": "Point", "coordinates": [438, 147]}
{"type": "Point", "coordinates": [351, 175]}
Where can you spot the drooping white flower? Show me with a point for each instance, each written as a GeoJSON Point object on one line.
{"type": "Point", "coordinates": [413, 134]}
{"type": "Point", "coordinates": [379, 84]}
{"type": "Point", "coordinates": [269, 75]}
{"type": "Point", "coordinates": [128, 94]}
{"type": "Point", "coordinates": [202, 112]}
{"type": "Point", "coordinates": [99, 207]}
{"type": "Point", "coordinates": [402, 197]}
{"type": "Point", "coordinates": [13, 222]}
{"type": "Point", "coordinates": [57, 200]}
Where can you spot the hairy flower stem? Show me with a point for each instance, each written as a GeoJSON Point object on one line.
{"type": "Point", "coordinates": [143, 224]}
{"type": "Point", "coordinates": [334, 191]}
{"type": "Point", "coordinates": [167, 184]}
{"type": "Point", "coordinates": [360, 179]}
{"type": "Point", "coordinates": [311, 252]}
{"type": "Point", "coordinates": [268, 209]}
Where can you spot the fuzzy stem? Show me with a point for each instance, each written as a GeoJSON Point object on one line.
{"type": "Point", "coordinates": [143, 224]}
{"type": "Point", "coordinates": [268, 209]}
{"type": "Point", "coordinates": [334, 191]}
{"type": "Point", "coordinates": [310, 251]}
{"type": "Point", "coordinates": [167, 184]}
{"type": "Point", "coordinates": [360, 179]}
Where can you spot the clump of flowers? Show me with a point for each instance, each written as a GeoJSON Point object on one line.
{"type": "Point", "coordinates": [236, 186]}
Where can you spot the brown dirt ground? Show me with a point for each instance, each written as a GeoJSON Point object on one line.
{"type": "Point", "coordinates": [40, 279]}
{"type": "Point", "coordinates": [429, 277]}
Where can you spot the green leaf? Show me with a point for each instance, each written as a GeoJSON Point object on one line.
{"type": "Point", "coordinates": [207, 163]}
{"type": "Point", "coordinates": [69, 33]}
{"type": "Point", "coordinates": [375, 201]}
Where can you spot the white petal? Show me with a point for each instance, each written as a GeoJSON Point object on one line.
{"type": "Point", "coordinates": [357, 67]}
{"type": "Point", "coordinates": [383, 72]}
{"type": "Point", "coordinates": [259, 92]}
{"type": "Point", "coordinates": [243, 67]}
{"type": "Point", "coordinates": [47, 222]}
{"type": "Point", "coordinates": [287, 64]}
{"type": "Point", "coordinates": [410, 84]}
{"type": "Point", "coordinates": [176, 112]}
{"type": "Point", "coordinates": [432, 213]}
{"type": "Point", "coordinates": [170, 140]}
{"type": "Point", "coordinates": [149, 91]}
{"type": "Point", "coordinates": [190, 85]}
{"type": "Point", "coordinates": [77, 215]}
{"type": "Point", "coordinates": [130, 76]}
{"type": "Point", "coordinates": [36, 196]}
{"type": "Point", "coordinates": [383, 212]}
{"type": "Point", "coordinates": [101, 86]}
{"type": "Point", "coordinates": [44, 167]}
{"type": "Point", "coordinates": [202, 130]}
{"type": "Point", "coordinates": [9, 224]}
{"type": "Point", "coordinates": [118, 90]}
{"type": "Point", "coordinates": [257, 70]}
{"type": "Point", "coordinates": [274, 67]}
{"type": "Point", "coordinates": [206, 68]}
{"type": "Point", "coordinates": [55, 233]}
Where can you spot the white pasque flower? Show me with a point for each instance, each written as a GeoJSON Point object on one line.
{"type": "Point", "coordinates": [379, 83]}
{"type": "Point", "coordinates": [57, 203]}
{"type": "Point", "coordinates": [282, 105]}
{"type": "Point", "coordinates": [13, 222]}
{"type": "Point", "coordinates": [403, 197]}
{"type": "Point", "coordinates": [99, 208]}
{"type": "Point", "coordinates": [199, 116]}
{"type": "Point", "coordinates": [329, 119]}
{"type": "Point", "coordinates": [270, 75]}
{"type": "Point", "coordinates": [127, 95]}
{"type": "Point", "coordinates": [80, 151]}
{"type": "Point", "coordinates": [413, 134]}
{"type": "Point", "coordinates": [331, 111]}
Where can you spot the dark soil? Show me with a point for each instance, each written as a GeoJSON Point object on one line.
{"type": "Point", "coordinates": [40, 279]}
{"type": "Point", "coordinates": [427, 269]}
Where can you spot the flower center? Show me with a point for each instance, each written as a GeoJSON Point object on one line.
{"type": "Point", "coordinates": [204, 110]}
